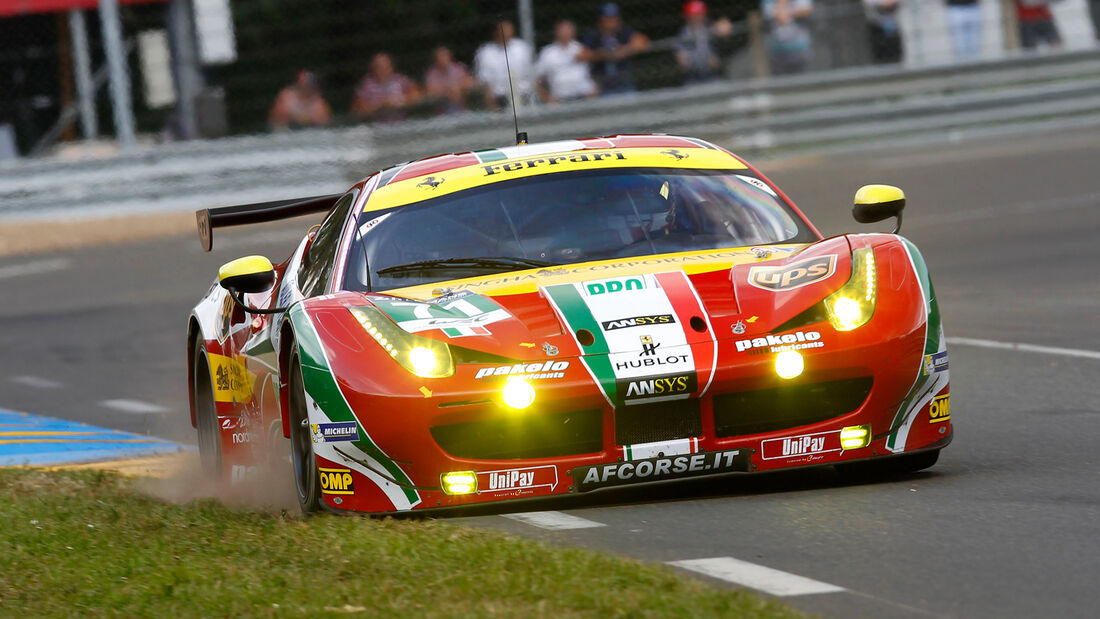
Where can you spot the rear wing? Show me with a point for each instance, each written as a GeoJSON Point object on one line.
{"type": "Point", "coordinates": [210, 218]}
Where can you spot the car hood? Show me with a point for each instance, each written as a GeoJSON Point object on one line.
{"type": "Point", "coordinates": [622, 305]}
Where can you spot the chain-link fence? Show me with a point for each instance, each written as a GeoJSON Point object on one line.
{"type": "Point", "coordinates": [207, 68]}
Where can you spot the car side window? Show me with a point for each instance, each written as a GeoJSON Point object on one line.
{"type": "Point", "coordinates": [320, 259]}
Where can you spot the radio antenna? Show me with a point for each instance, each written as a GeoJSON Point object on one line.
{"type": "Point", "coordinates": [521, 136]}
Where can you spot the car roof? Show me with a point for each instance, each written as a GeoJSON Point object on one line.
{"type": "Point", "coordinates": [450, 161]}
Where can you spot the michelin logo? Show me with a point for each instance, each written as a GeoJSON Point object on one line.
{"type": "Point", "coordinates": [335, 432]}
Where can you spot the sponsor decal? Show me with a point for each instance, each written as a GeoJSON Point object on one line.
{"type": "Point", "coordinates": [618, 284]}
{"type": "Point", "coordinates": [231, 381]}
{"type": "Point", "coordinates": [518, 481]}
{"type": "Point", "coordinates": [739, 327]}
{"type": "Point", "coordinates": [457, 314]}
{"type": "Point", "coordinates": [530, 371]}
{"type": "Point", "coordinates": [935, 363]}
{"type": "Point", "coordinates": [759, 184]}
{"type": "Point", "coordinates": [363, 229]}
{"type": "Point", "coordinates": [801, 447]}
{"type": "Point", "coordinates": [230, 423]}
{"type": "Point", "coordinates": [430, 183]}
{"type": "Point", "coordinates": [794, 275]}
{"type": "Point", "coordinates": [940, 409]}
{"type": "Point", "coordinates": [632, 390]}
{"type": "Point", "coordinates": [761, 253]}
{"type": "Point", "coordinates": [334, 432]}
{"type": "Point", "coordinates": [637, 321]}
{"type": "Point", "coordinates": [587, 478]}
{"type": "Point", "coordinates": [538, 162]}
{"type": "Point", "coordinates": [651, 362]}
{"type": "Point", "coordinates": [648, 346]}
{"type": "Point", "coordinates": [336, 481]}
{"type": "Point", "coordinates": [549, 349]}
{"type": "Point", "coordinates": [241, 437]}
{"type": "Point", "coordinates": [799, 340]}
{"type": "Point", "coordinates": [675, 154]}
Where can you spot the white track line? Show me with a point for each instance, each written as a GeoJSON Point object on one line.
{"type": "Point", "coordinates": [133, 406]}
{"type": "Point", "coordinates": [555, 521]}
{"type": "Point", "coordinates": [753, 576]}
{"type": "Point", "coordinates": [33, 268]}
{"type": "Point", "coordinates": [1045, 350]}
{"type": "Point", "coordinates": [36, 381]}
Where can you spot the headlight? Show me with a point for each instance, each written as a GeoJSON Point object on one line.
{"type": "Point", "coordinates": [854, 304]}
{"type": "Point", "coordinates": [419, 355]}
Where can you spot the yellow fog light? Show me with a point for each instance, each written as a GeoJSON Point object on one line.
{"type": "Point", "coordinates": [518, 393]}
{"type": "Point", "coordinates": [854, 437]}
{"type": "Point", "coordinates": [459, 482]}
{"type": "Point", "coordinates": [789, 364]}
{"type": "Point", "coordinates": [423, 361]}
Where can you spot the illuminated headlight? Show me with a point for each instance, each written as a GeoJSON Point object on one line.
{"type": "Point", "coordinates": [854, 437]}
{"type": "Point", "coordinates": [419, 355]}
{"type": "Point", "coordinates": [459, 482]}
{"type": "Point", "coordinates": [518, 393]}
{"type": "Point", "coordinates": [789, 364]}
{"type": "Point", "coordinates": [854, 304]}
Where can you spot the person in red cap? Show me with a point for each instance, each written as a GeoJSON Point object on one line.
{"type": "Point", "coordinates": [300, 105]}
{"type": "Point", "coordinates": [697, 43]}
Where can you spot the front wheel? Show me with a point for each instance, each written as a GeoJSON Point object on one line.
{"type": "Point", "coordinates": [888, 467]}
{"type": "Point", "coordinates": [206, 414]}
{"type": "Point", "coordinates": [301, 443]}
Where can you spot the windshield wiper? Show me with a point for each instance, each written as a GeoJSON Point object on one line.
{"type": "Point", "coordinates": [496, 264]}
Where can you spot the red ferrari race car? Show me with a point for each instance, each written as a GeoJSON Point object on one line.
{"type": "Point", "coordinates": [557, 318]}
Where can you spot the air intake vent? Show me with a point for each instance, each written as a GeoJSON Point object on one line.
{"type": "Point", "coordinates": [523, 436]}
{"type": "Point", "coordinates": [660, 421]}
{"type": "Point", "coordinates": [789, 406]}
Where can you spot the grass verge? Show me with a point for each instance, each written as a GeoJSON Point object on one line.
{"type": "Point", "coordinates": [78, 543]}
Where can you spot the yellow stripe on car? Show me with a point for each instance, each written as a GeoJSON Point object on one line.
{"type": "Point", "coordinates": [450, 181]}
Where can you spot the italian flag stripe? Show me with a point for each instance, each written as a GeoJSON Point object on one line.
{"type": "Point", "coordinates": [569, 303]}
{"type": "Point", "coordinates": [322, 386]}
{"type": "Point", "coordinates": [686, 303]}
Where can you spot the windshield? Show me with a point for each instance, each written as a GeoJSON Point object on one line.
{"type": "Point", "coordinates": [566, 218]}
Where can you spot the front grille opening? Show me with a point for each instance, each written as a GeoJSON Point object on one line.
{"type": "Point", "coordinates": [659, 421]}
{"type": "Point", "coordinates": [521, 436]}
{"type": "Point", "coordinates": [789, 406]}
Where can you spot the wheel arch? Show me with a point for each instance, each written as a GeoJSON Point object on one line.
{"type": "Point", "coordinates": [194, 332]}
{"type": "Point", "coordinates": [287, 343]}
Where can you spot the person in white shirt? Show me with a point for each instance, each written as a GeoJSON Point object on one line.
{"type": "Point", "coordinates": [561, 76]}
{"type": "Point", "coordinates": [491, 67]}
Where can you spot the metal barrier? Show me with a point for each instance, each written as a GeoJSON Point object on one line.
{"type": "Point", "coordinates": [845, 109]}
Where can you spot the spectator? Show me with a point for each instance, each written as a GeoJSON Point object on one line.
{"type": "Point", "coordinates": [1094, 12]}
{"type": "Point", "coordinates": [697, 45]}
{"type": "Point", "coordinates": [491, 67]}
{"type": "Point", "coordinates": [300, 105]}
{"type": "Point", "coordinates": [789, 43]}
{"type": "Point", "coordinates": [609, 49]}
{"type": "Point", "coordinates": [561, 75]}
{"type": "Point", "coordinates": [883, 31]}
{"type": "Point", "coordinates": [964, 19]}
{"type": "Point", "coordinates": [1036, 24]}
{"type": "Point", "coordinates": [384, 95]}
{"type": "Point", "coordinates": [448, 81]}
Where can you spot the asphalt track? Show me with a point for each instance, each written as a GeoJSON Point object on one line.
{"type": "Point", "coordinates": [1007, 524]}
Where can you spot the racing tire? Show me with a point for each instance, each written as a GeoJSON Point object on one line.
{"type": "Point", "coordinates": [206, 414]}
{"type": "Point", "coordinates": [889, 467]}
{"type": "Point", "coordinates": [307, 479]}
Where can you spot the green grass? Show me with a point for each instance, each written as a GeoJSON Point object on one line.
{"type": "Point", "coordinates": [86, 543]}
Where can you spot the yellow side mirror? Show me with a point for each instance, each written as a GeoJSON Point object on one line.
{"type": "Point", "coordinates": [250, 274]}
{"type": "Point", "coordinates": [877, 202]}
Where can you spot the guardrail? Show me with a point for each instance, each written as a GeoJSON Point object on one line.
{"type": "Point", "coordinates": [847, 109]}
